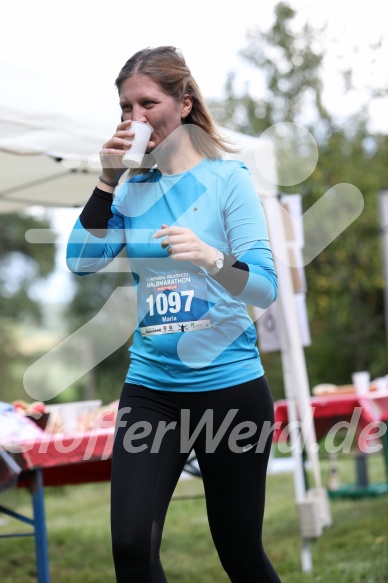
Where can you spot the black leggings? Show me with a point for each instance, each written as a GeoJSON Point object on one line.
{"type": "Point", "coordinates": [153, 440]}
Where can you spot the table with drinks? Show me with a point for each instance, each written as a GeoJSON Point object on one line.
{"type": "Point", "coordinates": [64, 444]}
{"type": "Point", "coordinates": [361, 410]}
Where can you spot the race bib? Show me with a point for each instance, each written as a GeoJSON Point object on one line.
{"type": "Point", "coordinates": [172, 303]}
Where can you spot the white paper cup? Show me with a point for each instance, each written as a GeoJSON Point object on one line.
{"type": "Point", "coordinates": [361, 382]}
{"type": "Point", "coordinates": [134, 155]}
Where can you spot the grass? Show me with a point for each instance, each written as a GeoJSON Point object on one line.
{"type": "Point", "coordinates": [353, 550]}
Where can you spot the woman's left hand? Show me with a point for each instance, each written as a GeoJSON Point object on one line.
{"type": "Point", "coordinates": [184, 245]}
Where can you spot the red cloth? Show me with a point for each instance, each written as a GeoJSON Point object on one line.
{"type": "Point", "coordinates": [68, 459]}
{"type": "Point", "coordinates": [331, 409]}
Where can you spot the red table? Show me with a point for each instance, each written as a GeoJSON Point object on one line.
{"type": "Point", "coordinates": [365, 417]}
{"type": "Point", "coordinates": [69, 459]}
{"type": "Point", "coordinates": [52, 460]}
{"type": "Point", "coordinates": [57, 459]}
{"type": "Point", "coordinates": [333, 408]}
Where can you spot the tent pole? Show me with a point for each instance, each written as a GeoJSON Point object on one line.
{"type": "Point", "coordinates": [288, 315]}
{"type": "Point", "coordinates": [294, 366]}
{"type": "Point", "coordinates": [296, 447]}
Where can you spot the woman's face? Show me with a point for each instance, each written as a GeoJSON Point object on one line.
{"type": "Point", "coordinates": [141, 99]}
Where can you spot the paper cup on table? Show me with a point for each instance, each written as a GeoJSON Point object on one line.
{"type": "Point", "coordinates": [361, 382]}
{"type": "Point", "coordinates": [380, 384]}
{"type": "Point", "coordinates": [135, 154]}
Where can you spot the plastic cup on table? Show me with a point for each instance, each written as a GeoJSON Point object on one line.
{"type": "Point", "coordinates": [134, 155]}
{"type": "Point", "coordinates": [381, 383]}
{"type": "Point", "coordinates": [361, 380]}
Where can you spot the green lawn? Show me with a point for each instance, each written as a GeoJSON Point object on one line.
{"type": "Point", "coordinates": [353, 550]}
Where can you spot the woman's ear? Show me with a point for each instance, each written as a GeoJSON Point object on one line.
{"type": "Point", "coordinates": [187, 105]}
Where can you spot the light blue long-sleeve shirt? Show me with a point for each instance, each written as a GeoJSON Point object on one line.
{"type": "Point", "coordinates": [216, 200]}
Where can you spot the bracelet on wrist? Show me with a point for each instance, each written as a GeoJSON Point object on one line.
{"type": "Point", "coordinates": [112, 184]}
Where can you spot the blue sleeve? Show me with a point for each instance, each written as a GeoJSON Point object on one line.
{"type": "Point", "coordinates": [247, 232]}
{"type": "Point", "coordinates": [88, 252]}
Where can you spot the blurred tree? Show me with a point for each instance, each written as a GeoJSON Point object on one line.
{"type": "Point", "coordinates": [21, 266]}
{"type": "Point", "coordinates": [345, 282]}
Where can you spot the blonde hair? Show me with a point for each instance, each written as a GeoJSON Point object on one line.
{"type": "Point", "coordinates": [166, 66]}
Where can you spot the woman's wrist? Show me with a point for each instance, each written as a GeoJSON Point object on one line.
{"type": "Point", "coordinates": [109, 180]}
{"type": "Point", "coordinates": [106, 184]}
{"type": "Point", "coordinates": [217, 263]}
{"type": "Point", "coordinates": [209, 258]}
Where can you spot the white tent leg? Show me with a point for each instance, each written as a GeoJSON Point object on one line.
{"type": "Point", "coordinates": [296, 446]}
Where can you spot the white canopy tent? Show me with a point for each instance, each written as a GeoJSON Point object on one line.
{"type": "Point", "coordinates": [56, 130]}
{"type": "Point", "coordinates": [50, 136]}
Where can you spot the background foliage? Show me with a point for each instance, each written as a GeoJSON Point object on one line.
{"type": "Point", "coordinates": [21, 266]}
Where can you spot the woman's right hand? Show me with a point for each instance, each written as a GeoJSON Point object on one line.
{"type": "Point", "coordinates": [113, 150]}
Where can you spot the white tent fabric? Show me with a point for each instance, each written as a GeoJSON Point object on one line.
{"type": "Point", "coordinates": [49, 133]}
